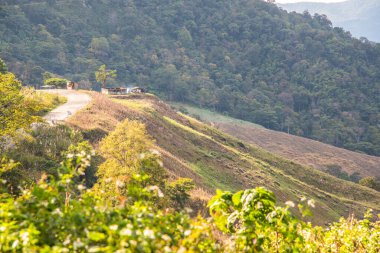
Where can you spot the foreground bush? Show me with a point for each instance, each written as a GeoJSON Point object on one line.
{"type": "Point", "coordinates": [38, 152]}
{"type": "Point", "coordinates": [256, 224]}
{"type": "Point", "coordinates": [61, 216]}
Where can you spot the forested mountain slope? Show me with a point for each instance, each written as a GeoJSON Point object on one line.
{"type": "Point", "coordinates": [360, 17]}
{"type": "Point", "coordinates": [246, 58]}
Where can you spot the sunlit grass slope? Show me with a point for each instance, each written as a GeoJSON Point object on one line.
{"type": "Point", "coordinates": [301, 150]}
{"type": "Point", "coordinates": [214, 159]}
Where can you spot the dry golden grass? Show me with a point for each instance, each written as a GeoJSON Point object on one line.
{"type": "Point", "coordinates": [199, 199]}
{"type": "Point", "coordinates": [201, 194]}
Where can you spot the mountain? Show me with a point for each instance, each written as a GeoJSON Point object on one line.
{"type": "Point", "coordinates": [359, 17]}
{"type": "Point", "coordinates": [214, 159]}
{"type": "Point", "coordinates": [245, 58]}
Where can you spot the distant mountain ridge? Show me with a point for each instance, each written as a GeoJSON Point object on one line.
{"type": "Point", "coordinates": [360, 17]}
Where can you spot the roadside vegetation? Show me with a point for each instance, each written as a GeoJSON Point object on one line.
{"type": "Point", "coordinates": [21, 106]}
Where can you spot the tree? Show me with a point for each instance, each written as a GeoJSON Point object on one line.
{"type": "Point", "coordinates": [103, 74]}
{"type": "Point", "coordinates": [15, 113]}
{"type": "Point", "coordinates": [47, 75]}
{"type": "Point", "coordinates": [179, 191]}
{"type": "Point", "coordinates": [128, 150]}
{"type": "Point", "coordinates": [85, 85]}
{"type": "Point", "coordinates": [269, 58]}
{"type": "Point", "coordinates": [370, 182]}
{"type": "Point", "coordinates": [184, 36]}
{"type": "Point", "coordinates": [99, 46]}
{"type": "Point", "coordinates": [3, 67]}
{"type": "Point", "coordinates": [56, 82]}
{"type": "Point", "coordinates": [126, 145]}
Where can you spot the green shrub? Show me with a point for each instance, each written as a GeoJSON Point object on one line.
{"type": "Point", "coordinates": [254, 223]}
{"type": "Point", "coordinates": [179, 191]}
{"type": "Point", "coordinates": [370, 182]}
{"type": "Point", "coordinates": [43, 102]}
{"type": "Point", "coordinates": [41, 152]}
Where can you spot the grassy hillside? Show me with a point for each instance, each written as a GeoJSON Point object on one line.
{"type": "Point", "coordinates": [216, 160]}
{"type": "Point", "coordinates": [301, 150]}
{"type": "Point", "coordinates": [246, 58]}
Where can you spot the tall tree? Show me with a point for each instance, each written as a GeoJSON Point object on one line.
{"type": "Point", "coordinates": [15, 112]}
{"type": "Point", "coordinates": [103, 74]}
{"type": "Point", "coordinates": [128, 150]}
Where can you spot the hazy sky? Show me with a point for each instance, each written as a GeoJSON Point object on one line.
{"type": "Point", "coordinates": [320, 1]}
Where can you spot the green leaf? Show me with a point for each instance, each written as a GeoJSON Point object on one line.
{"type": "Point", "coordinates": [236, 198]}
{"type": "Point", "coordinates": [96, 236]}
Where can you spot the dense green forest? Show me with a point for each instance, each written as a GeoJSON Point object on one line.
{"type": "Point", "coordinates": [246, 58]}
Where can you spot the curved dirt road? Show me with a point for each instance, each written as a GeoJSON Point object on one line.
{"type": "Point", "coordinates": [75, 102]}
